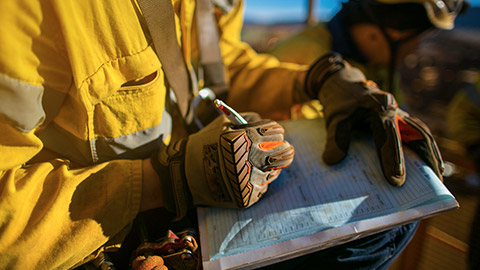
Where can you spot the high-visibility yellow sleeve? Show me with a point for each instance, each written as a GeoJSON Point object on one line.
{"type": "Point", "coordinates": [53, 212]}
{"type": "Point", "coordinates": [259, 82]}
{"type": "Point", "coordinates": [57, 212]}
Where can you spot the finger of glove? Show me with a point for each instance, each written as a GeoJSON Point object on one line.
{"type": "Point", "coordinates": [389, 149]}
{"type": "Point", "coordinates": [271, 155]}
{"type": "Point", "coordinates": [269, 150]}
{"type": "Point", "coordinates": [260, 181]}
{"type": "Point", "coordinates": [261, 178]}
{"type": "Point", "coordinates": [242, 158]}
{"type": "Point", "coordinates": [337, 142]}
{"type": "Point", "coordinates": [418, 137]}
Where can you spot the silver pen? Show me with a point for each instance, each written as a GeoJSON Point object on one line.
{"type": "Point", "coordinates": [236, 118]}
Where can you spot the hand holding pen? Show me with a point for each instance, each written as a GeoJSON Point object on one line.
{"type": "Point", "coordinates": [241, 159]}
{"type": "Point", "coordinates": [235, 117]}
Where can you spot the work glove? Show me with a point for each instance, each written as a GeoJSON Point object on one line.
{"type": "Point", "coordinates": [351, 102]}
{"type": "Point", "coordinates": [222, 165]}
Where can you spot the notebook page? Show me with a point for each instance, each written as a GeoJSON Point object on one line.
{"type": "Point", "coordinates": [310, 196]}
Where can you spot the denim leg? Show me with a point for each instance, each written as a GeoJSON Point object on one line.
{"type": "Point", "coordinates": [377, 251]}
{"type": "Point", "coordinates": [374, 252]}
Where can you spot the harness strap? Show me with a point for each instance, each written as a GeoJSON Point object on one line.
{"type": "Point", "coordinates": [159, 16]}
{"type": "Point", "coordinates": [210, 57]}
{"type": "Point", "coordinates": [160, 20]}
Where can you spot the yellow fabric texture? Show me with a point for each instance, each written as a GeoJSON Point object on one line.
{"type": "Point", "coordinates": [315, 41]}
{"type": "Point", "coordinates": [258, 82]}
{"type": "Point", "coordinates": [55, 212]}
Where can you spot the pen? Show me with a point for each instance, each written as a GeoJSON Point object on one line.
{"type": "Point", "coordinates": [236, 118]}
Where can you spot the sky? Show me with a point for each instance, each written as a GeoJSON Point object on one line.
{"type": "Point", "coordinates": [269, 11]}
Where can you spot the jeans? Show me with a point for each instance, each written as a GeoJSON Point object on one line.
{"type": "Point", "coordinates": [377, 251]}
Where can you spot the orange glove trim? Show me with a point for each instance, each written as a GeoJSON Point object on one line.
{"type": "Point", "coordinates": [269, 145]}
{"type": "Point", "coordinates": [267, 183]}
{"type": "Point", "coordinates": [407, 132]}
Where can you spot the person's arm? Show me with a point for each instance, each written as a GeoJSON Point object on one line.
{"type": "Point", "coordinates": [64, 213]}
{"type": "Point", "coordinates": [304, 47]}
{"type": "Point", "coordinates": [53, 212]}
{"type": "Point", "coordinates": [258, 82]}
{"type": "Point", "coordinates": [263, 84]}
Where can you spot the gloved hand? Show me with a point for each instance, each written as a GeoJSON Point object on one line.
{"type": "Point", "coordinates": [222, 165]}
{"type": "Point", "coordinates": [350, 101]}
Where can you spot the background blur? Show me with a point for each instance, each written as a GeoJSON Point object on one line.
{"type": "Point", "coordinates": [430, 78]}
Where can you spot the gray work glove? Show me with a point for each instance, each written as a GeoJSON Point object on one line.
{"type": "Point", "coordinates": [222, 165]}
{"type": "Point", "coordinates": [350, 101]}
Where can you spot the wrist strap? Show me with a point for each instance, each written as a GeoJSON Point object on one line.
{"type": "Point", "coordinates": [321, 71]}
{"type": "Point", "coordinates": [175, 192]}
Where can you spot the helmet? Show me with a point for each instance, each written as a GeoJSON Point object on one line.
{"type": "Point", "coordinates": [441, 13]}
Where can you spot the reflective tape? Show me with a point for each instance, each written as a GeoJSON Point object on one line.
{"type": "Point", "coordinates": [21, 103]}
{"type": "Point", "coordinates": [137, 145]}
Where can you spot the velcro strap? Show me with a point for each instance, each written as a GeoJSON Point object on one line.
{"type": "Point", "coordinates": [175, 193]}
{"type": "Point", "coordinates": [320, 71]}
{"type": "Point", "coordinates": [179, 188]}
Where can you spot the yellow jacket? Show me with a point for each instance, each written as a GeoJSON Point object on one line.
{"type": "Point", "coordinates": [82, 98]}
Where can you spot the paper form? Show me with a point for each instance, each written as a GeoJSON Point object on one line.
{"type": "Point", "coordinates": [310, 196]}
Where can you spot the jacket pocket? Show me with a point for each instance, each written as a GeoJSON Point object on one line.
{"type": "Point", "coordinates": [133, 118]}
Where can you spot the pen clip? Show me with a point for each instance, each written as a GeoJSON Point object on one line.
{"type": "Point", "coordinates": [235, 117]}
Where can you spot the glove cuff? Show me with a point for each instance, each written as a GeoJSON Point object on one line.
{"type": "Point", "coordinates": [320, 71]}
{"type": "Point", "coordinates": [175, 193]}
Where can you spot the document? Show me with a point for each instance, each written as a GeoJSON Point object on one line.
{"type": "Point", "coordinates": [312, 206]}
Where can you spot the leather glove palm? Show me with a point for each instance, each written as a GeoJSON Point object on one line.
{"type": "Point", "coordinates": [350, 101]}
{"type": "Point", "coordinates": [222, 165]}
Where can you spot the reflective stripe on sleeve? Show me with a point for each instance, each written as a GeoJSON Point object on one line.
{"type": "Point", "coordinates": [21, 103]}
{"type": "Point", "coordinates": [137, 145]}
